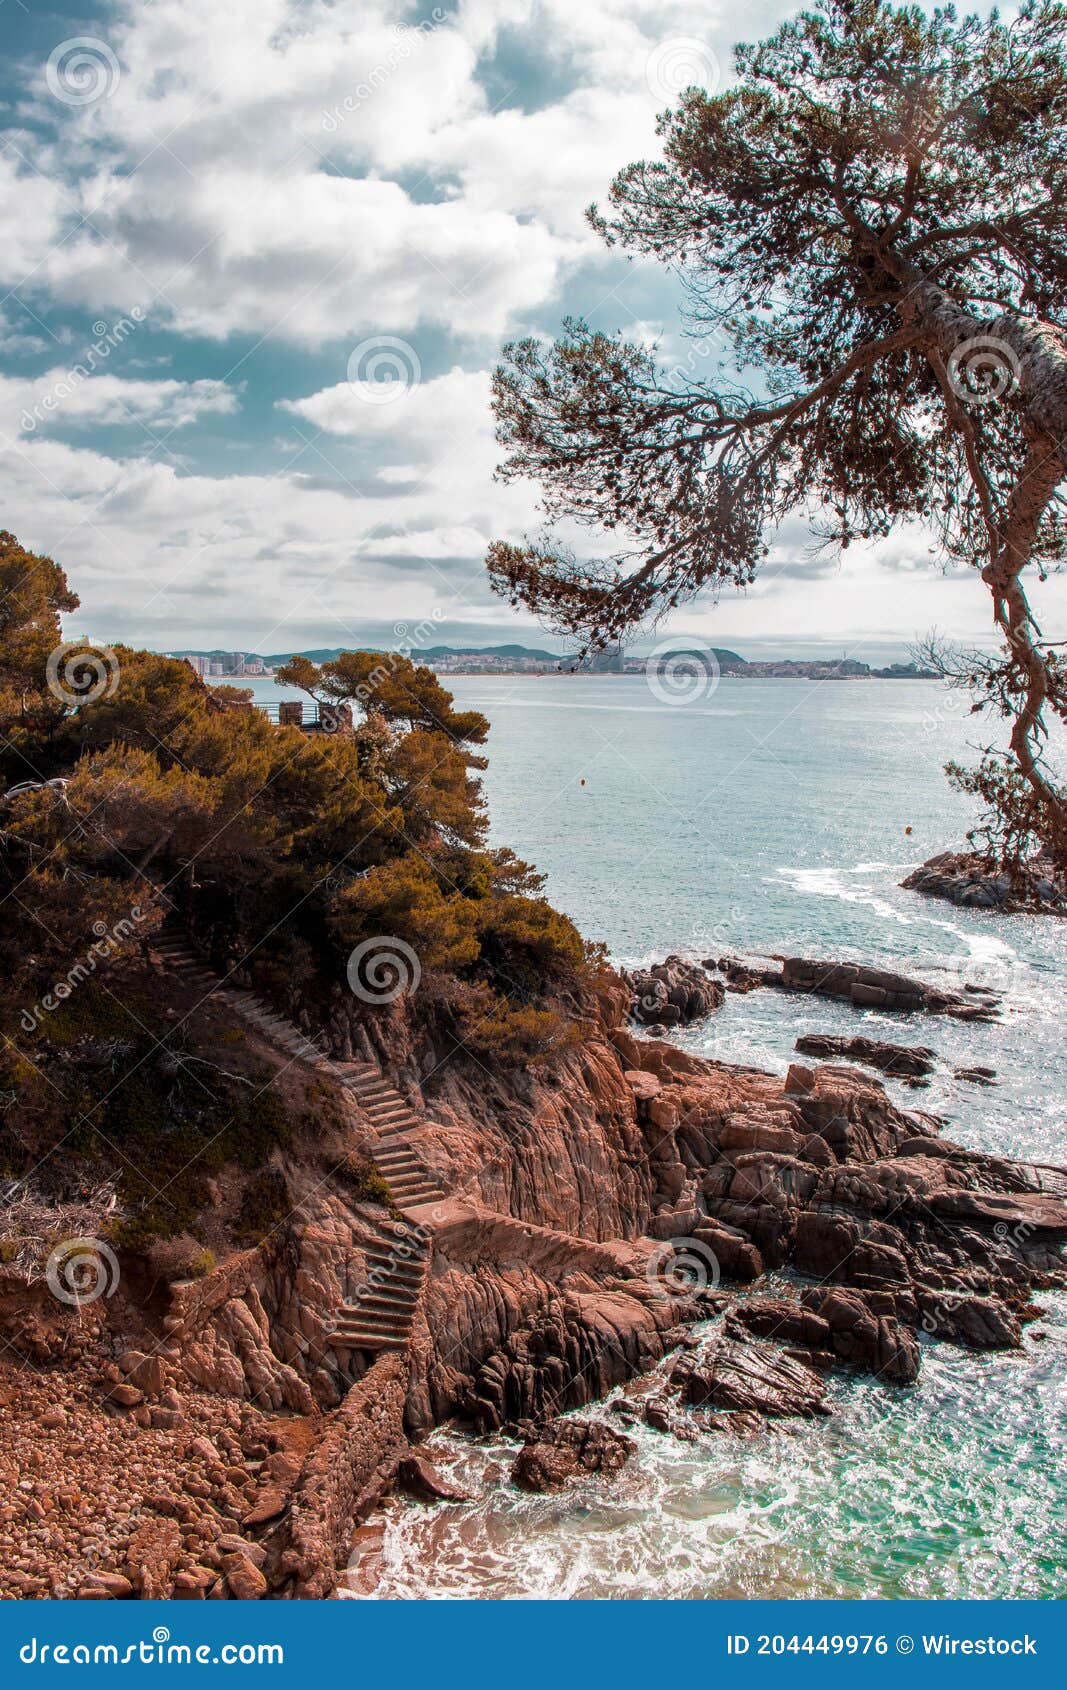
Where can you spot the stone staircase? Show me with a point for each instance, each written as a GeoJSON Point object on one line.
{"type": "Point", "coordinates": [391, 1118]}
{"type": "Point", "coordinates": [380, 1315]}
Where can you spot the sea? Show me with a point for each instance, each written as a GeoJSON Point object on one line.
{"type": "Point", "coordinates": [758, 817]}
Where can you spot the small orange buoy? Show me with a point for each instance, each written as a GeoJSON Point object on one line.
{"type": "Point", "coordinates": [907, 830]}
{"type": "Point", "coordinates": [581, 783]}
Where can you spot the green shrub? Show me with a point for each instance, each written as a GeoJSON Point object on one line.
{"type": "Point", "coordinates": [266, 1204]}
{"type": "Point", "coordinates": [365, 1182]}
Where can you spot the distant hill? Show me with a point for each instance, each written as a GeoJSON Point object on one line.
{"type": "Point", "coordinates": [700, 654]}
{"type": "Point", "coordinates": [325, 655]}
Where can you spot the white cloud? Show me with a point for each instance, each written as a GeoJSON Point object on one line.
{"type": "Point", "coordinates": [303, 172]}
{"type": "Point", "coordinates": [323, 169]}
{"type": "Point", "coordinates": [68, 397]}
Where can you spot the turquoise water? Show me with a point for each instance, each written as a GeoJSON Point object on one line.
{"type": "Point", "coordinates": [771, 816]}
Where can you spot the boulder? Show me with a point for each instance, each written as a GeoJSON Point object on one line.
{"type": "Point", "coordinates": [738, 1257]}
{"type": "Point", "coordinates": [750, 1377]}
{"type": "Point", "coordinates": [898, 1061]}
{"type": "Point", "coordinates": [673, 993]}
{"type": "Point", "coordinates": [865, 1332]}
{"type": "Point", "coordinates": [419, 1478]}
{"type": "Point", "coordinates": [977, 1323]}
{"type": "Point", "coordinates": [570, 1449]}
{"type": "Point", "coordinates": [244, 1581]}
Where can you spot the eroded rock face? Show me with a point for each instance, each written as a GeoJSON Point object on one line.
{"type": "Point", "coordinates": [570, 1449]}
{"type": "Point", "coordinates": [857, 1328]}
{"type": "Point", "coordinates": [750, 1378]}
{"type": "Point", "coordinates": [541, 1296]}
{"type": "Point", "coordinates": [673, 993]}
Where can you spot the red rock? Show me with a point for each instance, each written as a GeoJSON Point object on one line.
{"type": "Point", "coordinates": [751, 1377]}
{"type": "Point", "coordinates": [126, 1396]}
{"type": "Point", "coordinates": [419, 1478]}
{"type": "Point", "coordinates": [152, 1554]}
{"type": "Point", "coordinates": [104, 1586]}
{"type": "Point", "coordinates": [570, 1449]}
{"type": "Point", "coordinates": [271, 1501]}
{"type": "Point", "coordinates": [244, 1581]}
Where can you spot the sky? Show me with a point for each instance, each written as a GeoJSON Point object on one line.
{"type": "Point", "coordinates": [223, 224]}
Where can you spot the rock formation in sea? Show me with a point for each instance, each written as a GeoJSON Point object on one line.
{"type": "Point", "coordinates": [857, 983]}
{"type": "Point", "coordinates": [673, 993]}
{"type": "Point", "coordinates": [554, 1231]}
{"type": "Point", "coordinates": [900, 1062]}
{"type": "Point", "coordinates": [970, 879]}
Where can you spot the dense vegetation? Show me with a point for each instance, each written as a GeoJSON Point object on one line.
{"type": "Point", "coordinates": [279, 850]}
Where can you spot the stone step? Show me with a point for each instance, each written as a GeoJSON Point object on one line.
{"type": "Point", "coordinates": [383, 1317]}
{"type": "Point", "coordinates": [351, 1318]}
{"type": "Point", "coordinates": [382, 1307]}
{"type": "Point", "coordinates": [366, 1341]}
{"type": "Point", "coordinates": [406, 1261]}
{"type": "Point", "coordinates": [406, 1254]}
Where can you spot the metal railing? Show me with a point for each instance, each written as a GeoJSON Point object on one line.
{"type": "Point", "coordinates": [306, 713]}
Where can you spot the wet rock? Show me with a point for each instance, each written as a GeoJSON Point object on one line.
{"type": "Point", "coordinates": [751, 1377]}
{"type": "Point", "coordinates": [875, 988]}
{"type": "Point", "coordinates": [673, 993]}
{"type": "Point", "coordinates": [739, 1423]}
{"type": "Point", "coordinates": [419, 1478]}
{"type": "Point", "coordinates": [978, 1323]}
{"type": "Point", "coordinates": [570, 1449]}
{"type": "Point", "coordinates": [976, 1076]}
{"type": "Point", "coordinates": [741, 976]}
{"type": "Point", "coordinates": [663, 1415]}
{"type": "Point", "coordinates": [898, 1061]}
{"type": "Point", "coordinates": [974, 881]}
{"type": "Point", "coordinates": [865, 1332]}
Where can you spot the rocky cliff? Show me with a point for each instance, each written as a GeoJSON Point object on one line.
{"type": "Point", "coordinates": [212, 1436]}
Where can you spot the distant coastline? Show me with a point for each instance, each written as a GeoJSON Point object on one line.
{"type": "Point", "coordinates": [472, 662]}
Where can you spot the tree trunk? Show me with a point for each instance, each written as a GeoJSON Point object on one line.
{"type": "Point", "coordinates": [1037, 355]}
